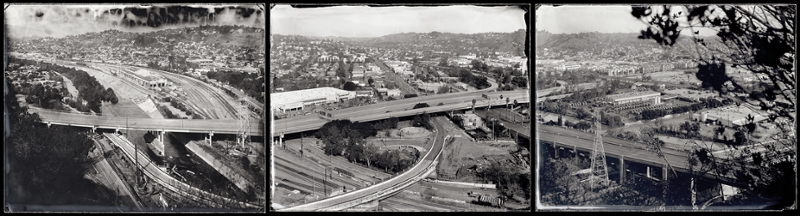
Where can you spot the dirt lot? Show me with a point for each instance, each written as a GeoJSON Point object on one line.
{"type": "Point", "coordinates": [691, 93]}
{"type": "Point", "coordinates": [124, 108]}
{"type": "Point", "coordinates": [463, 154]}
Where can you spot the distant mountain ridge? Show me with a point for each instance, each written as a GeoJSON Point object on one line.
{"type": "Point", "coordinates": [513, 42]}
{"type": "Point", "coordinates": [595, 40]}
{"type": "Point", "coordinates": [227, 35]}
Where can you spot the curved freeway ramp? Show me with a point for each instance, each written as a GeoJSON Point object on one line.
{"type": "Point", "coordinates": [383, 189]}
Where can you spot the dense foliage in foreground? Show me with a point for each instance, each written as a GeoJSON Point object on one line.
{"type": "Point", "coordinates": [47, 165]}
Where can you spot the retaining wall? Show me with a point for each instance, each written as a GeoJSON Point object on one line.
{"type": "Point", "coordinates": [218, 165]}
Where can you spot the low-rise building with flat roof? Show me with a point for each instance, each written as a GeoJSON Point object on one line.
{"type": "Point", "coordinates": [296, 100]}
{"type": "Point", "coordinates": [730, 116]}
{"type": "Point", "coordinates": [635, 96]}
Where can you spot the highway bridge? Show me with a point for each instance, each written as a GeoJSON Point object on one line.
{"type": "Point", "coordinates": [211, 126]}
{"type": "Point", "coordinates": [518, 128]}
{"type": "Point", "coordinates": [387, 188]}
{"type": "Point", "coordinates": [399, 108]}
{"type": "Point", "coordinates": [623, 151]}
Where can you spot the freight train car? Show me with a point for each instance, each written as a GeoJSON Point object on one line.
{"type": "Point", "coordinates": [490, 201]}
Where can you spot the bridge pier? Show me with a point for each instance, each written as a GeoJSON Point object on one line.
{"type": "Point", "coordinates": [209, 137]}
{"type": "Point", "coordinates": [664, 172]}
{"type": "Point", "coordinates": [648, 170]}
{"type": "Point", "coordinates": [116, 130]}
{"type": "Point", "coordinates": [94, 128]}
{"type": "Point", "coordinates": [622, 170]}
{"type": "Point", "coordinates": [48, 124]}
{"type": "Point", "coordinates": [575, 150]}
{"type": "Point", "coordinates": [555, 150]}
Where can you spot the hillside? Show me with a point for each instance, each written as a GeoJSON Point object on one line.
{"type": "Point", "coordinates": [513, 42]}
{"type": "Point", "coordinates": [595, 42]}
{"type": "Point", "coordinates": [224, 36]}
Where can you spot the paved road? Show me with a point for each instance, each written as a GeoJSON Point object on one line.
{"type": "Point", "coordinates": [418, 169]}
{"type": "Point", "coordinates": [161, 177]}
{"type": "Point", "coordinates": [397, 108]}
{"type": "Point", "coordinates": [222, 126]}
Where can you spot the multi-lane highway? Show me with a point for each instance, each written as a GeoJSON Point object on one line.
{"type": "Point", "coordinates": [614, 148]}
{"type": "Point", "coordinates": [632, 151]}
{"type": "Point", "coordinates": [398, 108]}
{"type": "Point", "coordinates": [390, 184]}
{"type": "Point", "coordinates": [222, 126]}
{"type": "Point", "coordinates": [519, 128]}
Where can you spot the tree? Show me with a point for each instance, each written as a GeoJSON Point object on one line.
{"type": "Point", "coordinates": [560, 122]}
{"type": "Point", "coordinates": [350, 86]}
{"type": "Point", "coordinates": [443, 62]}
{"type": "Point", "coordinates": [758, 39]}
{"type": "Point", "coordinates": [473, 105]}
{"type": "Point", "coordinates": [443, 89]}
{"type": "Point", "coordinates": [370, 81]}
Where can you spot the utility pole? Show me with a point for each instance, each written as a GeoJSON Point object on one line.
{"type": "Point", "coordinates": [136, 150]}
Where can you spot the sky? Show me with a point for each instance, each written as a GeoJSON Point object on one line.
{"type": "Point", "coordinates": [603, 19]}
{"type": "Point", "coordinates": [63, 20]}
{"type": "Point", "coordinates": [365, 21]}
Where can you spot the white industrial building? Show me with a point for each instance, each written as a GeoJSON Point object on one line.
{"type": "Point", "coordinates": [296, 100]}
{"type": "Point", "coordinates": [730, 116]}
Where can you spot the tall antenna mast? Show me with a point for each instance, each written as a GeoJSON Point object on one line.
{"type": "Point", "coordinates": [599, 168]}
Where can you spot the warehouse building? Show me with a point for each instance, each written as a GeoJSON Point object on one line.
{"type": "Point", "coordinates": [730, 116]}
{"type": "Point", "coordinates": [635, 96]}
{"type": "Point", "coordinates": [296, 100]}
{"type": "Point", "coordinates": [146, 78]}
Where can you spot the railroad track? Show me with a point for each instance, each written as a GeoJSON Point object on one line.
{"type": "Point", "coordinates": [221, 99]}
{"type": "Point", "coordinates": [303, 175]}
{"type": "Point", "coordinates": [214, 94]}
{"type": "Point", "coordinates": [353, 185]}
{"type": "Point", "coordinates": [182, 188]}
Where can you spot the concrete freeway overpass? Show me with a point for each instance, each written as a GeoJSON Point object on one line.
{"type": "Point", "coordinates": [221, 126]}
{"type": "Point", "coordinates": [398, 108]}
{"type": "Point", "coordinates": [517, 128]}
{"type": "Point", "coordinates": [623, 150]}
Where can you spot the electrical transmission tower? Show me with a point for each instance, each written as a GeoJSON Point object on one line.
{"type": "Point", "coordinates": [244, 123]}
{"type": "Point", "coordinates": [599, 169]}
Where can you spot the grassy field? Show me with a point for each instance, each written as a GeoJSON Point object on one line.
{"type": "Point", "coordinates": [124, 108]}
